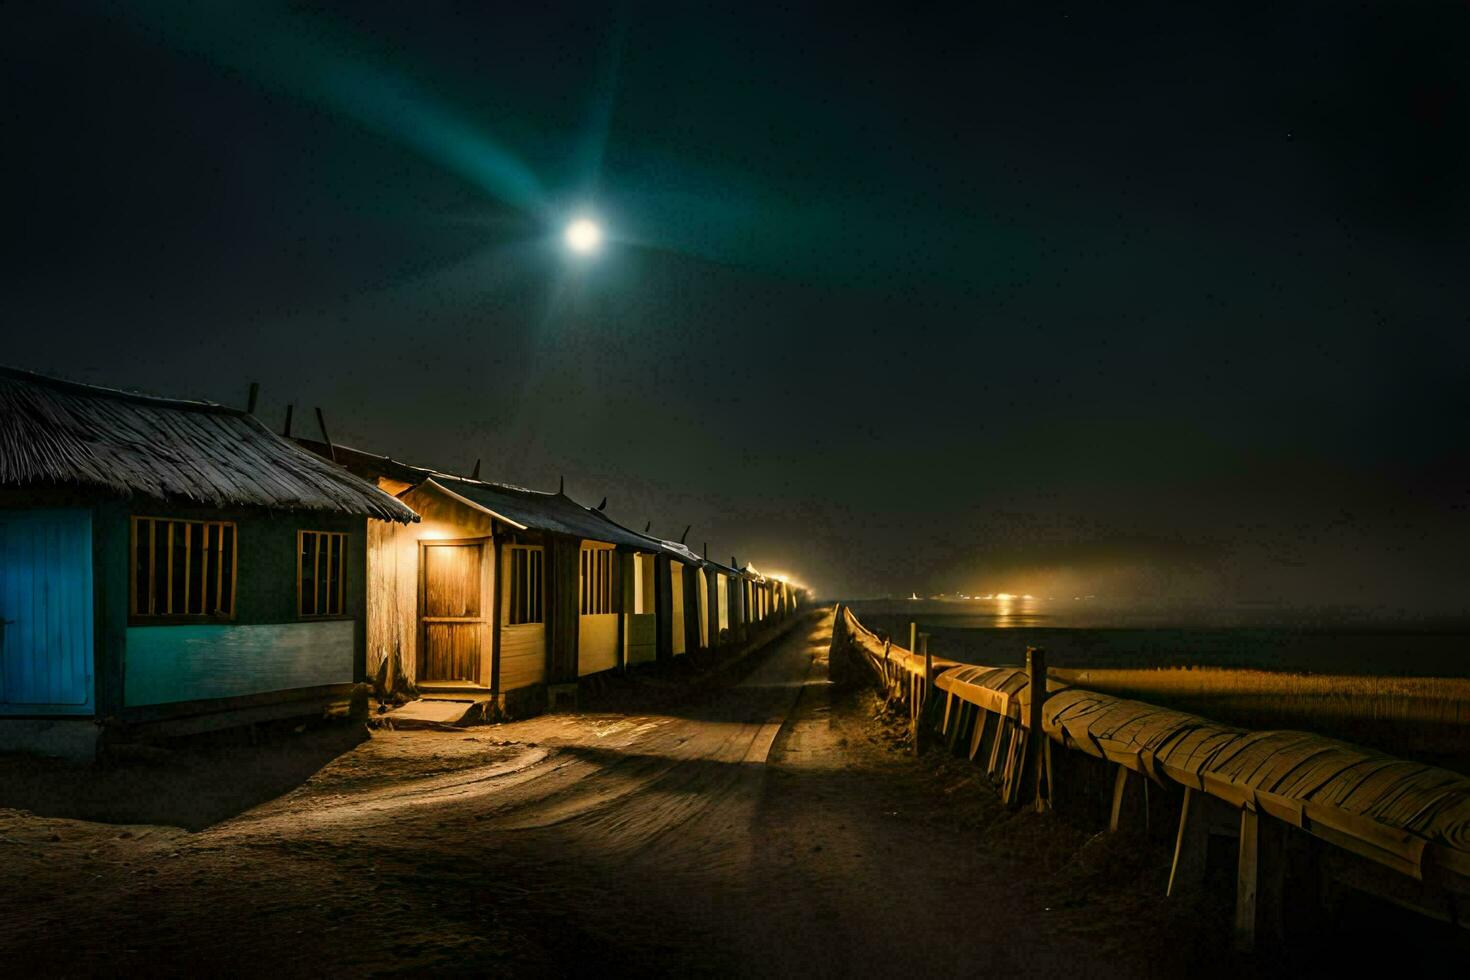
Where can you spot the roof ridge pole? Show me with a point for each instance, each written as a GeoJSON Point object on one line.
{"type": "Point", "coordinates": [706, 551]}
{"type": "Point", "coordinates": [687, 529]}
{"type": "Point", "coordinates": [648, 527]}
{"type": "Point", "coordinates": [561, 487]}
{"type": "Point", "coordinates": [321, 420]}
{"type": "Point", "coordinates": [475, 473]}
{"type": "Point", "coordinates": [289, 409]}
{"type": "Point", "coordinates": [253, 397]}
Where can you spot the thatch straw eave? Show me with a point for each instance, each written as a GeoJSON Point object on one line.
{"type": "Point", "coordinates": [61, 433]}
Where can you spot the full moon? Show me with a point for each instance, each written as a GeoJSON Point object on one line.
{"type": "Point", "coordinates": [583, 235]}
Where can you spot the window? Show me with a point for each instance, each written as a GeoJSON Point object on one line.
{"type": "Point", "coordinates": [597, 593]}
{"type": "Point", "coordinates": [525, 586]}
{"type": "Point", "coordinates": [321, 586]}
{"type": "Point", "coordinates": [183, 568]}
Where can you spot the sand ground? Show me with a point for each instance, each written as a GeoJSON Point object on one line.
{"type": "Point", "coordinates": [776, 826]}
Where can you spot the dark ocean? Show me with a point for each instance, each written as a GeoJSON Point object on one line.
{"type": "Point", "coordinates": [1104, 633]}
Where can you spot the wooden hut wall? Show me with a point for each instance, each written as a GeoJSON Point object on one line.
{"type": "Point", "coordinates": [160, 664]}
{"type": "Point", "coordinates": [738, 607]}
{"type": "Point", "coordinates": [393, 573]}
{"type": "Point", "coordinates": [522, 648]}
{"type": "Point", "coordinates": [678, 636]}
{"type": "Point", "coordinates": [598, 592]}
{"type": "Point", "coordinates": [664, 606]}
{"type": "Point", "coordinates": [722, 604]}
{"type": "Point", "coordinates": [702, 587]}
{"type": "Point", "coordinates": [563, 624]}
{"type": "Point", "coordinates": [689, 608]}
{"type": "Point", "coordinates": [640, 622]}
{"type": "Point", "coordinates": [391, 611]}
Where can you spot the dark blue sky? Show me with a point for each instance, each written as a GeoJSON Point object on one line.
{"type": "Point", "coordinates": [1027, 297]}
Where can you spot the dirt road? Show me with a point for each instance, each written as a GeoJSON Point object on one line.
{"type": "Point", "coordinates": [708, 839]}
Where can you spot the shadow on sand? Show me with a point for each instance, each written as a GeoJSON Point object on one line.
{"type": "Point", "coordinates": [190, 783]}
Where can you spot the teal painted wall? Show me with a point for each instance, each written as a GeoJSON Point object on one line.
{"type": "Point", "coordinates": [168, 664]}
{"type": "Point", "coordinates": [225, 656]}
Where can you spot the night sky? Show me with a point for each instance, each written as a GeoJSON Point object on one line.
{"type": "Point", "coordinates": [1133, 300]}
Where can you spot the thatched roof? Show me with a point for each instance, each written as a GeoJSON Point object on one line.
{"type": "Point", "coordinates": [55, 432]}
{"type": "Point", "coordinates": [542, 511]}
{"type": "Point", "coordinates": [539, 510]}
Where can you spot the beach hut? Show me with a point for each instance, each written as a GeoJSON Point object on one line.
{"type": "Point", "coordinates": [170, 566]}
{"type": "Point", "coordinates": [500, 592]}
{"type": "Point", "coordinates": [681, 589]}
{"type": "Point", "coordinates": [723, 585]}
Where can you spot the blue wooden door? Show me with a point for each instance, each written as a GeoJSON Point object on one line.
{"type": "Point", "coordinates": [46, 612]}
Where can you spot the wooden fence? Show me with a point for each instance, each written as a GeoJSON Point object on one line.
{"type": "Point", "coordinates": [1282, 794]}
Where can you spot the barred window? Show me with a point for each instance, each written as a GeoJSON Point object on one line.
{"type": "Point", "coordinates": [183, 568]}
{"type": "Point", "coordinates": [321, 585]}
{"type": "Point", "coordinates": [525, 586]}
{"type": "Point", "coordinates": [597, 593]}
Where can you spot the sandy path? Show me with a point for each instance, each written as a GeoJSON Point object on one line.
{"type": "Point", "coordinates": [568, 843]}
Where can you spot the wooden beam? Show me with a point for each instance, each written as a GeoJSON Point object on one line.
{"type": "Point", "coordinates": [1034, 774]}
{"type": "Point", "coordinates": [234, 565]}
{"type": "Point", "coordinates": [1190, 845]}
{"type": "Point", "coordinates": [321, 421]}
{"type": "Point", "coordinates": [168, 599]}
{"type": "Point", "coordinates": [1260, 880]}
{"type": "Point", "coordinates": [253, 397]}
{"type": "Point", "coordinates": [152, 565]}
{"type": "Point", "coordinates": [498, 583]}
{"type": "Point", "coordinates": [997, 743]}
{"type": "Point", "coordinates": [1246, 871]}
{"type": "Point", "coordinates": [133, 566]}
{"type": "Point", "coordinates": [982, 720]}
{"type": "Point", "coordinates": [316, 570]}
{"type": "Point", "coordinates": [341, 574]}
{"type": "Point", "coordinates": [1120, 790]}
{"type": "Point", "coordinates": [925, 691]}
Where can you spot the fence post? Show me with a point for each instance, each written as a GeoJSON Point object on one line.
{"type": "Point", "coordinates": [1036, 741]}
{"type": "Point", "coordinates": [921, 710]}
{"type": "Point", "coordinates": [837, 653]}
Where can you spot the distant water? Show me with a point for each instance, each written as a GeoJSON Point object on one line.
{"type": "Point", "coordinates": [1103, 633]}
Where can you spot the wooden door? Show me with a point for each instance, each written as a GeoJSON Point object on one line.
{"type": "Point", "coordinates": [46, 612]}
{"type": "Point", "coordinates": [451, 610]}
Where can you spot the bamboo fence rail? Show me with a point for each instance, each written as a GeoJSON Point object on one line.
{"type": "Point", "coordinates": [1410, 818]}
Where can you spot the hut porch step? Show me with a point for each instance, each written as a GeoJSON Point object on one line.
{"type": "Point", "coordinates": [453, 691]}
{"type": "Point", "coordinates": [439, 713]}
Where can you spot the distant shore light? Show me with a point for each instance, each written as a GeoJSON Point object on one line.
{"type": "Point", "coordinates": [583, 236]}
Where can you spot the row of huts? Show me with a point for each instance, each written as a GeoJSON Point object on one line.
{"type": "Point", "coordinates": [178, 565]}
